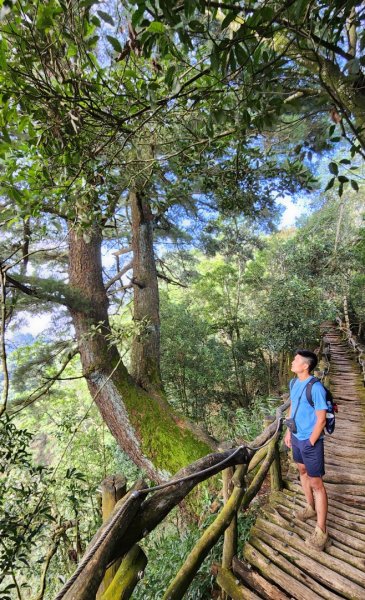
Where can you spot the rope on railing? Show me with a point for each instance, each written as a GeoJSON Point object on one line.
{"type": "Point", "coordinates": [137, 493]}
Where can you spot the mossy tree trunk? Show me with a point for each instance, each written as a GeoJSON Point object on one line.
{"type": "Point", "coordinates": [143, 423]}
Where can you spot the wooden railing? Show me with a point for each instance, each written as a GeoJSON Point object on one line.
{"type": "Point", "coordinates": [114, 563]}
{"type": "Point", "coordinates": [353, 340]}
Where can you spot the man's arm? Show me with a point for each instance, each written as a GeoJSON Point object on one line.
{"type": "Point", "coordinates": [287, 436]}
{"type": "Point", "coordinates": [319, 426]}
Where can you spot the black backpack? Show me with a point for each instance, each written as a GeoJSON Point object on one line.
{"type": "Point", "coordinates": [332, 407]}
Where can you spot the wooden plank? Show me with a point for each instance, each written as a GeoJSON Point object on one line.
{"type": "Point", "coordinates": [336, 533]}
{"type": "Point", "coordinates": [317, 577]}
{"type": "Point", "coordinates": [234, 589]}
{"type": "Point", "coordinates": [269, 570]}
{"type": "Point", "coordinates": [304, 529]}
{"type": "Point", "coordinates": [330, 563]}
{"type": "Point", "coordinates": [267, 590]}
{"type": "Point", "coordinates": [334, 513]}
{"type": "Point", "coordinates": [358, 514]}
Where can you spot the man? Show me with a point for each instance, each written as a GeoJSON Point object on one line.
{"type": "Point", "coordinates": [307, 444]}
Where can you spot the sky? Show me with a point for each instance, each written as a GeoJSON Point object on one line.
{"type": "Point", "coordinates": [293, 210]}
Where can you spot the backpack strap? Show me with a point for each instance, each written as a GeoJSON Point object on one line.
{"type": "Point", "coordinates": [308, 390]}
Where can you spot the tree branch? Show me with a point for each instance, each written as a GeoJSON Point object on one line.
{"type": "Point", "coordinates": [5, 394]}
{"type": "Point", "coordinates": [44, 388]}
{"type": "Point", "coordinates": [119, 275]}
{"type": "Point", "coordinates": [165, 278]}
{"type": "Point", "coordinates": [123, 251]}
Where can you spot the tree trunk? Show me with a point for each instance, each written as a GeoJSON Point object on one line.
{"type": "Point", "coordinates": [145, 362]}
{"type": "Point", "coordinates": [144, 426]}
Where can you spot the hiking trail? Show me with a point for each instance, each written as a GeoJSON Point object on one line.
{"type": "Point", "coordinates": [277, 564]}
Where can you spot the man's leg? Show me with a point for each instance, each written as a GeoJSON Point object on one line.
{"type": "Point", "coordinates": [305, 481]}
{"type": "Point", "coordinates": [321, 501]}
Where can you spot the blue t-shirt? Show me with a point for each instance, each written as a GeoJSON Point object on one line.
{"type": "Point", "coordinates": [306, 417]}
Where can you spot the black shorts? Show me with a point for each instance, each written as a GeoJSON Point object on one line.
{"type": "Point", "coordinates": [312, 457]}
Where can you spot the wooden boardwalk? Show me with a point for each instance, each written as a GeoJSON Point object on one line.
{"type": "Point", "coordinates": [277, 565]}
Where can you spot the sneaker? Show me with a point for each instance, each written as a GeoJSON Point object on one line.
{"type": "Point", "coordinates": [306, 513]}
{"type": "Point", "coordinates": [318, 539]}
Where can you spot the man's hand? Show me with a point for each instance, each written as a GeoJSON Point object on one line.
{"type": "Point", "coordinates": [287, 438]}
{"type": "Point", "coordinates": [319, 426]}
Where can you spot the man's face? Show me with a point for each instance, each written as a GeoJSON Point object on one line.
{"type": "Point", "coordinates": [299, 364]}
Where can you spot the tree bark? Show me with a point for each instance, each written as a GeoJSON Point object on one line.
{"type": "Point", "coordinates": [143, 424]}
{"type": "Point", "coordinates": [145, 356]}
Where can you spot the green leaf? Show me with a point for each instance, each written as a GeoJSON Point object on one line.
{"type": "Point", "coordinates": [333, 168]}
{"type": "Point", "coordinates": [219, 115]}
{"type": "Point", "coordinates": [115, 43]}
{"type": "Point", "coordinates": [330, 184]}
{"type": "Point", "coordinates": [228, 19]}
{"type": "Point", "coordinates": [343, 179]}
{"type": "Point", "coordinates": [266, 13]}
{"type": "Point", "coordinates": [354, 185]}
{"type": "Point", "coordinates": [156, 27]}
{"type": "Point", "coordinates": [196, 25]}
{"type": "Point", "coordinates": [241, 55]}
{"type": "Point", "coordinates": [214, 59]}
{"type": "Point", "coordinates": [106, 17]}
{"type": "Point", "coordinates": [137, 16]}
{"type": "Point", "coordinates": [3, 47]}
{"type": "Point", "coordinates": [95, 21]}
{"type": "Point", "coordinates": [169, 77]}
{"type": "Point", "coordinates": [209, 127]}
{"type": "Point", "coordinates": [45, 16]}
{"type": "Point", "coordinates": [71, 51]}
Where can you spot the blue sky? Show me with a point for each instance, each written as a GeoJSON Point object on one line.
{"type": "Point", "coordinates": [293, 210]}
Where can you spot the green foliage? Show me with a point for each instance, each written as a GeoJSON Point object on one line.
{"type": "Point", "coordinates": [278, 60]}
{"type": "Point", "coordinates": [173, 542]}
{"type": "Point", "coordinates": [194, 362]}
{"type": "Point", "coordinates": [25, 504]}
{"type": "Point", "coordinates": [247, 423]}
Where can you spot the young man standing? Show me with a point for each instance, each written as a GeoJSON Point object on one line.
{"type": "Point", "coordinates": [307, 443]}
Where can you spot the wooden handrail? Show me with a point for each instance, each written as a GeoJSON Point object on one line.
{"type": "Point", "coordinates": [147, 514]}
{"type": "Point", "coordinates": [240, 498]}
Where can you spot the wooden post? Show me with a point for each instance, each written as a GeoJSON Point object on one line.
{"type": "Point", "coordinates": [113, 488]}
{"type": "Point", "coordinates": [276, 482]}
{"type": "Point", "coordinates": [128, 575]}
{"type": "Point", "coordinates": [230, 534]}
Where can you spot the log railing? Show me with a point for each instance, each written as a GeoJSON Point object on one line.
{"type": "Point", "coordinates": [113, 562]}
{"type": "Point", "coordinates": [353, 340]}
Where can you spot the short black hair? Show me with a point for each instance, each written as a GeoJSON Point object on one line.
{"type": "Point", "coordinates": [312, 358]}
